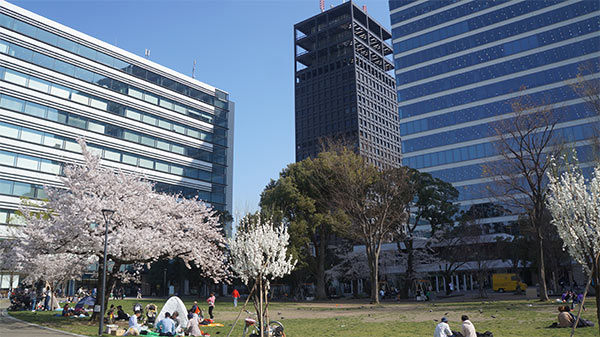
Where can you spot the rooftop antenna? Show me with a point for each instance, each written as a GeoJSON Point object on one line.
{"type": "Point", "coordinates": [194, 70]}
{"type": "Point", "coordinates": [322, 5]}
{"type": "Point", "coordinates": [147, 53]}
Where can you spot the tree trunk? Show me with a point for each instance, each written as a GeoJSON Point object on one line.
{"type": "Point", "coordinates": [320, 252]}
{"type": "Point", "coordinates": [110, 283]}
{"type": "Point", "coordinates": [261, 318]}
{"type": "Point", "coordinates": [541, 267]}
{"type": "Point", "coordinates": [374, 266]}
{"type": "Point", "coordinates": [596, 277]}
{"type": "Point", "coordinates": [480, 279]}
{"type": "Point", "coordinates": [410, 265]}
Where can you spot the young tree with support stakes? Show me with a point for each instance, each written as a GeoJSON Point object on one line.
{"type": "Point", "coordinates": [259, 254]}
{"type": "Point", "coordinates": [525, 143]}
{"type": "Point", "coordinates": [147, 226]}
{"type": "Point", "coordinates": [575, 208]}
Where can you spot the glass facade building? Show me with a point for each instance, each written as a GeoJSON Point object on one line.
{"type": "Point", "coordinates": [344, 89]}
{"type": "Point", "coordinates": [57, 84]}
{"type": "Point", "coordinates": [459, 63]}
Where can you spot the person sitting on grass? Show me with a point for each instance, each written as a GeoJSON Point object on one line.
{"type": "Point", "coordinates": [134, 326]}
{"type": "Point", "coordinates": [193, 327]}
{"type": "Point", "coordinates": [175, 318]}
{"type": "Point", "coordinates": [66, 312]}
{"type": "Point", "coordinates": [468, 329]}
{"type": "Point", "coordinates": [443, 329]}
{"type": "Point", "coordinates": [195, 309]}
{"type": "Point", "coordinates": [121, 315]}
{"type": "Point", "coordinates": [565, 318]}
{"type": "Point", "coordinates": [166, 326]}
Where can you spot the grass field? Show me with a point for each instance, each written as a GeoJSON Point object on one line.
{"type": "Point", "coordinates": [510, 318]}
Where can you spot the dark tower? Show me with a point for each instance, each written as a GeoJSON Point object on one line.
{"type": "Point", "coordinates": [344, 89]}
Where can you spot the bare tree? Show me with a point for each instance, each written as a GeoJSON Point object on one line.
{"type": "Point", "coordinates": [526, 143]}
{"type": "Point", "coordinates": [587, 86]}
{"type": "Point", "coordinates": [373, 202]}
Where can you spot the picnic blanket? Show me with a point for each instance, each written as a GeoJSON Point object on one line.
{"type": "Point", "coordinates": [212, 325]}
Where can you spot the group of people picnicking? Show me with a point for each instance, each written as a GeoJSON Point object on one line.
{"type": "Point", "coordinates": [170, 324]}
{"type": "Point", "coordinates": [32, 299]}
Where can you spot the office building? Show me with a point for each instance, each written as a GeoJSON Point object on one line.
{"type": "Point", "coordinates": [458, 65]}
{"type": "Point", "coordinates": [344, 89]}
{"type": "Point", "coordinates": [57, 84]}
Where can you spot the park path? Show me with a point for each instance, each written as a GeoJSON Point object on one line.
{"type": "Point", "coordinates": [10, 327]}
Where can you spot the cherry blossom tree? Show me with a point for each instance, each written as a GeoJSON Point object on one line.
{"type": "Point", "coordinates": [259, 255]}
{"type": "Point", "coordinates": [575, 208]}
{"type": "Point", "coordinates": [64, 234]}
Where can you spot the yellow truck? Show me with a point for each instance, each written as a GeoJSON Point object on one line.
{"type": "Point", "coordinates": [507, 282]}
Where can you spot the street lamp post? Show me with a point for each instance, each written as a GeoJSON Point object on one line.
{"type": "Point", "coordinates": [107, 213]}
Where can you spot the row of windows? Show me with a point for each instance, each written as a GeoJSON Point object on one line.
{"type": "Point", "coordinates": [54, 167]}
{"type": "Point", "coordinates": [81, 50]}
{"type": "Point", "coordinates": [12, 159]}
{"type": "Point", "coordinates": [508, 67]}
{"type": "Point", "coordinates": [99, 103]}
{"type": "Point", "coordinates": [512, 29]}
{"type": "Point", "coordinates": [58, 142]}
{"type": "Point", "coordinates": [488, 54]}
{"type": "Point", "coordinates": [304, 75]}
{"type": "Point", "coordinates": [476, 171]}
{"type": "Point", "coordinates": [502, 14]}
{"type": "Point", "coordinates": [560, 94]}
{"type": "Point", "coordinates": [9, 216]}
{"type": "Point", "coordinates": [559, 74]}
{"type": "Point", "coordinates": [67, 118]}
{"type": "Point", "coordinates": [19, 189]}
{"type": "Point", "coordinates": [483, 190]}
{"type": "Point", "coordinates": [33, 191]}
{"type": "Point", "coordinates": [563, 114]}
{"type": "Point", "coordinates": [416, 10]}
{"type": "Point", "coordinates": [106, 82]}
{"type": "Point", "coordinates": [573, 133]}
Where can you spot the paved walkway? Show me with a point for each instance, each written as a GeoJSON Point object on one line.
{"type": "Point", "coordinates": [10, 327]}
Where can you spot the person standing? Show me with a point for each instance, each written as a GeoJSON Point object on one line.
{"type": "Point", "coordinates": [139, 293]}
{"type": "Point", "coordinates": [468, 329]}
{"type": "Point", "coordinates": [236, 295]}
{"type": "Point", "coordinates": [47, 296]}
{"type": "Point", "coordinates": [442, 329]}
{"type": "Point", "coordinates": [211, 305]}
{"type": "Point", "coordinates": [33, 298]}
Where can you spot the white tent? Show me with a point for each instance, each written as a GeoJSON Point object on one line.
{"type": "Point", "coordinates": [174, 304]}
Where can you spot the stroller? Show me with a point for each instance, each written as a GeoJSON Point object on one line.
{"type": "Point", "coordinates": [151, 314]}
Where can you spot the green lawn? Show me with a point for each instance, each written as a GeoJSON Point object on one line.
{"type": "Point", "coordinates": [354, 318]}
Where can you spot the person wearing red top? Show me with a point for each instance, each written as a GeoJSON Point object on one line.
{"type": "Point", "coordinates": [235, 295]}
{"type": "Point", "coordinates": [211, 305]}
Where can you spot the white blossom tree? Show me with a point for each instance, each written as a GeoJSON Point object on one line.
{"type": "Point", "coordinates": [575, 208]}
{"type": "Point", "coordinates": [64, 234]}
{"type": "Point", "coordinates": [258, 256]}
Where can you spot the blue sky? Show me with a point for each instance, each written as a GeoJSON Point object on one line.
{"type": "Point", "coordinates": [244, 47]}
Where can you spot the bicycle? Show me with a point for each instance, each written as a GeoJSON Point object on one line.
{"type": "Point", "coordinates": [273, 329]}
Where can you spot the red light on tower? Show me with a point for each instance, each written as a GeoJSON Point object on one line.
{"type": "Point", "coordinates": [322, 5]}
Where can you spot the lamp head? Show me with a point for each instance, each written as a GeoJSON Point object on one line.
{"type": "Point", "coordinates": [107, 213]}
